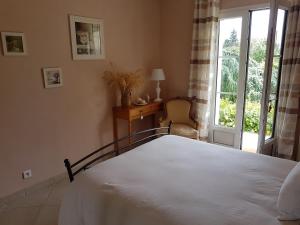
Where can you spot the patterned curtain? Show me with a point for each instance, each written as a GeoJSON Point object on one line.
{"type": "Point", "coordinates": [203, 59]}
{"type": "Point", "coordinates": [288, 105]}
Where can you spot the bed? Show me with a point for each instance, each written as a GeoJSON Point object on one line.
{"type": "Point", "coordinates": [174, 181]}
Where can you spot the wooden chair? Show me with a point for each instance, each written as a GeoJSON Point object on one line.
{"type": "Point", "coordinates": [179, 111]}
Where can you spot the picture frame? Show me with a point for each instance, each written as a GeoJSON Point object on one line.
{"type": "Point", "coordinates": [87, 38]}
{"type": "Point", "coordinates": [13, 44]}
{"type": "Point", "coordinates": [52, 77]}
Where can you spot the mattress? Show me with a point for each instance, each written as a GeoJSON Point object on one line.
{"type": "Point", "coordinates": [178, 181]}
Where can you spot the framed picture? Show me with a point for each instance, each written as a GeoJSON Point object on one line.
{"type": "Point", "coordinates": [87, 38]}
{"type": "Point", "coordinates": [13, 44]}
{"type": "Point", "coordinates": [52, 77]}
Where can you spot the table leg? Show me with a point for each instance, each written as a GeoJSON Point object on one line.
{"type": "Point", "coordinates": [129, 131]}
{"type": "Point", "coordinates": [154, 121]}
{"type": "Point", "coordinates": [115, 129]}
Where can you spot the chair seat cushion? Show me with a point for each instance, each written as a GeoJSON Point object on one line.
{"type": "Point", "coordinates": [184, 130]}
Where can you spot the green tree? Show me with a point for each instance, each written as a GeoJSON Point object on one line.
{"type": "Point", "coordinates": [230, 66]}
{"type": "Point", "coordinates": [232, 40]}
{"type": "Point", "coordinates": [256, 65]}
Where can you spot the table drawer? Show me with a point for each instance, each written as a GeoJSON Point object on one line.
{"type": "Point", "coordinates": [142, 111]}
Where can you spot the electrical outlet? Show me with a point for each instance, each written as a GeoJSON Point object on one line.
{"type": "Point", "coordinates": [26, 174]}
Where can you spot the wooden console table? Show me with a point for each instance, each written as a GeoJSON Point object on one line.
{"type": "Point", "coordinates": [132, 113]}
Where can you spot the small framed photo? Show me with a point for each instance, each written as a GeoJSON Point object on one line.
{"type": "Point", "coordinates": [87, 37]}
{"type": "Point", "coordinates": [52, 77]}
{"type": "Point", "coordinates": [13, 43]}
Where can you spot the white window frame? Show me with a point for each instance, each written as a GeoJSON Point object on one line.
{"type": "Point", "coordinates": [236, 132]}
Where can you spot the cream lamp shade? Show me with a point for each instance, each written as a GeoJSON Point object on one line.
{"type": "Point", "coordinates": [157, 75]}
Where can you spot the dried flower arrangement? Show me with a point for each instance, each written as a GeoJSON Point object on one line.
{"type": "Point", "coordinates": [127, 82]}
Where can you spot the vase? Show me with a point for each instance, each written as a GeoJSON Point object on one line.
{"type": "Point", "coordinates": [126, 99]}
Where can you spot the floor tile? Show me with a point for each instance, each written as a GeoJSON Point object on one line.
{"type": "Point", "coordinates": [19, 216]}
{"type": "Point", "coordinates": [57, 193]}
{"type": "Point", "coordinates": [37, 205]}
{"type": "Point", "coordinates": [32, 198]}
{"type": "Point", "coordinates": [48, 215]}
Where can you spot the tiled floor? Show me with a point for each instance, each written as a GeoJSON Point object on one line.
{"type": "Point", "coordinates": [35, 206]}
{"type": "Point", "coordinates": [250, 141]}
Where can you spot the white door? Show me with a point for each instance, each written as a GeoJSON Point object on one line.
{"type": "Point", "coordinates": [242, 110]}
{"type": "Point", "coordinates": [227, 110]}
{"type": "Point", "coordinates": [275, 44]}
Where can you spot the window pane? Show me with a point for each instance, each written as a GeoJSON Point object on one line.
{"type": "Point", "coordinates": [279, 31]}
{"type": "Point", "coordinates": [275, 73]}
{"type": "Point", "coordinates": [227, 110]}
{"type": "Point", "coordinates": [270, 118]}
{"type": "Point", "coordinates": [228, 71]}
{"type": "Point", "coordinates": [254, 86]}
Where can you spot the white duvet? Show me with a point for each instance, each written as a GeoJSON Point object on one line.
{"type": "Point", "coordinates": [177, 181]}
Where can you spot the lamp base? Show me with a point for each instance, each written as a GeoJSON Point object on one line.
{"type": "Point", "coordinates": [158, 100]}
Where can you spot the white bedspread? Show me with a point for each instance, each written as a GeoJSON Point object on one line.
{"type": "Point", "coordinates": [177, 181]}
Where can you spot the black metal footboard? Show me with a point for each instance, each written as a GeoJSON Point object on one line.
{"type": "Point", "coordinates": [104, 152]}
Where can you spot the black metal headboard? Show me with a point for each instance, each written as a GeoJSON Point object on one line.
{"type": "Point", "coordinates": [86, 161]}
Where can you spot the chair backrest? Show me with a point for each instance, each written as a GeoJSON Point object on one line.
{"type": "Point", "coordinates": [178, 110]}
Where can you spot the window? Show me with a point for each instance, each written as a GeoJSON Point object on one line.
{"type": "Point", "coordinates": [228, 71]}
{"type": "Point", "coordinates": [276, 70]}
{"type": "Point", "coordinates": [239, 83]}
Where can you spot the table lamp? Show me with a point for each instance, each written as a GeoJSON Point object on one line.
{"type": "Point", "coordinates": [157, 75]}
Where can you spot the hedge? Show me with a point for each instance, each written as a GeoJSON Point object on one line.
{"type": "Point", "coordinates": [252, 114]}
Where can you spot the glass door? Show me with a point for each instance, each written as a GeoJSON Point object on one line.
{"type": "Point", "coordinates": [230, 75]}
{"type": "Point", "coordinates": [228, 72]}
{"type": "Point", "coordinates": [258, 34]}
{"type": "Point", "coordinates": [275, 73]}
{"type": "Point", "coordinates": [260, 52]}
{"type": "Point", "coordinates": [276, 36]}
{"type": "Point", "coordinates": [245, 54]}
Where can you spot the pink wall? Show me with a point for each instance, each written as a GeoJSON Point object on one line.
{"type": "Point", "coordinates": [176, 33]}
{"type": "Point", "coordinates": [40, 127]}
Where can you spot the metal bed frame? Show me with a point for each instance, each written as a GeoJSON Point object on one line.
{"type": "Point", "coordinates": [86, 162]}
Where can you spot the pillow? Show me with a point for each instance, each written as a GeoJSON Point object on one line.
{"type": "Point", "coordinates": [289, 196]}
